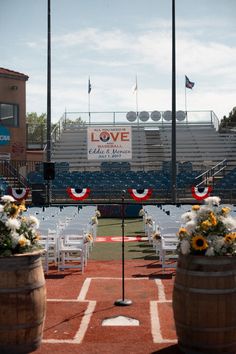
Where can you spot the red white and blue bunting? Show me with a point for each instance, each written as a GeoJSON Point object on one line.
{"type": "Point", "coordinates": [140, 194]}
{"type": "Point", "coordinates": [78, 193]}
{"type": "Point", "coordinates": [201, 193]}
{"type": "Point", "coordinates": [18, 193]}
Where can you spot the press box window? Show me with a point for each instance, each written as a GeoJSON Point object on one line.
{"type": "Point", "coordinates": [9, 115]}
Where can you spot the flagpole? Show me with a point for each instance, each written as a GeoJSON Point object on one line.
{"type": "Point", "coordinates": [136, 97]}
{"type": "Point", "coordinates": [89, 90]}
{"type": "Point", "coordinates": [89, 108]}
{"type": "Point", "coordinates": [186, 112]}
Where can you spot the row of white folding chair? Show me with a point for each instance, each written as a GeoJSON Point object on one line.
{"type": "Point", "coordinates": [73, 243]}
{"type": "Point", "coordinates": [168, 245]}
{"type": "Point", "coordinates": [167, 228]}
{"type": "Point", "coordinates": [49, 242]}
{"type": "Point", "coordinates": [72, 252]}
{"type": "Point", "coordinates": [78, 230]}
{"type": "Point", "coordinates": [50, 232]}
{"type": "Point", "coordinates": [64, 248]}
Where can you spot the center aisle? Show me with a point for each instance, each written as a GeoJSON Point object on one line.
{"type": "Point", "coordinates": [109, 237]}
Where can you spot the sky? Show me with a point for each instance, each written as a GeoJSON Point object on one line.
{"type": "Point", "coordinates": [113, 42]}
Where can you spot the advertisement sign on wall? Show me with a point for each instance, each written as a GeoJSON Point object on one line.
{"type": "Point", "coordinates": [113, 143]}
{"type": "Point", "coordinates": [4, 135]}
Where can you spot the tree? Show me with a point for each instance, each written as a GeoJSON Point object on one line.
{"type": "Point", "coordinates": [37, 128]}
{"type": "Point", "coordinates": [229, 122]}
{"type": "Point", "coordinates": [33, 118]}
{"type": "Point", "coordinates": [76, 121]}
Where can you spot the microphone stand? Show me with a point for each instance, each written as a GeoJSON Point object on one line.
{"type": "Point", "coordinates": [123, 301]}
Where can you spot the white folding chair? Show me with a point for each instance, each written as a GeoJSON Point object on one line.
{"type": "Point", "coordinates": [71, 252]}
{"type": "Point", "coordinates": [49, 242]}
{"type": "Point", "coordinates": [168, 247]}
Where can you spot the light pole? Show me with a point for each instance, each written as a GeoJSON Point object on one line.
{"type": "Point", "coordinates": [173, 134]}
{"type": "Point", "coordinates": [48, 194]}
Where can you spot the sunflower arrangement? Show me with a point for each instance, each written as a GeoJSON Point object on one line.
{"type": "Point", "coordinates": [94, 220]}
{"type": "Point", "coordinates": [208, 230]}
{"type": "Point", "coordinates": [18, 233]}
{"type": "Point", "coordinates": [156, 236]}
{"type": "Point", "coordinates": [141, 212]}
{"type": "Point", "coordinates": [89, 238]}
{"type": "Point", "coordinates": [98, 214]}
{"type": "Point", "coordinates": [148, 221]}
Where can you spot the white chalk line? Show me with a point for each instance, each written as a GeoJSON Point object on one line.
{"type": "Point", "coordinates": [155, 325]}
{"type": "Point", "coordinates": [154, 315]}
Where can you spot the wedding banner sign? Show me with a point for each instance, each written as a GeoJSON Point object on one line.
{"type": "Point", "coordinates": [113, 143]}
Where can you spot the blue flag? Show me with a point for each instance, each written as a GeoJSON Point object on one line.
{"type": "Point", "coordinates": [89, 86]}
{"type": "Point", "coordinates": [189, 84]}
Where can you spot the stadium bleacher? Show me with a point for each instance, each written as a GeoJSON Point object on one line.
{"type": "Point", "coordinates": [199, 148]}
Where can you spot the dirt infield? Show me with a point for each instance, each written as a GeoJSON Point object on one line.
{"type": "Point", "coordinates": [78, 304]}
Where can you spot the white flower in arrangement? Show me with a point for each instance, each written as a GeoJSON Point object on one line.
{"type": "Point", "coordinates": [148, 220]}
{"type": "Point", "coordinates": [210, 251]}
{"type": "Point", "coordinates": [190, 226]}
{"type": "Point", "coordinates": [229, 222]}
{"type": "Point", "coordinates": [7, 199]}
{"type": "Point", "coordinates": [156, 235]}
{"type": "Point", "coordinates": [32, 220]}
{"type": "Point", "coordinates": [14, 238]}
{"type": "Point", "coordinates": [17, 232]}
{"type": "Point", "coordinates": [97, 214]}
{"type": "Point", "coordinates": [208, 230]}
{"type": "Point", "coordinates": [187, 216]}
{"type": "Point", "coordinates": [94, 220]}
{"type": "Point", "coordinates": [89, 238]}
{"type": "Point", "coordinates": [141, 212]}
{"type": "Point", "coordinates": [185, 247]}
{"type": "Point", "coordinates": [212, 201]}
{"type": "Point", "coordinates": [12, 224]}
{"type": "Point", "coordinates": [23, 241]}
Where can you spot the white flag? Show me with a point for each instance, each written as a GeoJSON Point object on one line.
{"type": "Point", "coordinates": [135, 87]}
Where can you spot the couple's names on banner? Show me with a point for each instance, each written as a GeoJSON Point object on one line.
{"type": "Point", "coordinates": [113, 143]}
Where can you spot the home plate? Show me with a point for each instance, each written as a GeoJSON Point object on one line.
{"type": "Point", "coordinates": [120, 321]}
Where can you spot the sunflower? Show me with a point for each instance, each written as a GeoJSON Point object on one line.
{"type": "Point", "coordinates": [225, 210]}
{"type": "Point", "coordinates": [230, 237]}
{"type": "Point", "coordinates": [206, 224]}
{"type": "Point", "coordinates": [199, 243]}
{"type": "Point", "coordinates": [195, 207]}
{"type": "Point", "coordinates": [14, 211]}
{"type": "Point", "coordinates": [213, 219]}
{"type": "Point", "coordinates": [22, 207]}
{"type": "Point", "coordinates": [182, 232]}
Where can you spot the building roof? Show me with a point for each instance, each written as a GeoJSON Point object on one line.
{"type": "Point", "coordinates": [12, 74]}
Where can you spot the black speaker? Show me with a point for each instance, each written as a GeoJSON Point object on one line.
{"type": "Point", "coordinates": [49, 170]}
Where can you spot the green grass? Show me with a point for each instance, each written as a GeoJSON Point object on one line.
{"type": "Point", "coordinates": [113, 250]}
{"type": "Point", "coordinates": [113, 227]}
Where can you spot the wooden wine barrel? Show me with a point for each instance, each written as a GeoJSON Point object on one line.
{"type": "Point", "coordinates": [204, 304]}
{"type": "Point", "coordinates": [22, 303]}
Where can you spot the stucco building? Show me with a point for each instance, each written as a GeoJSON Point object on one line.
{"type": "Point", "coordinates": [12, 114]}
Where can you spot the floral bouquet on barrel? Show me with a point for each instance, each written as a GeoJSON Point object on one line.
{"type": "Point", "coordinates": [18, 233]}
{"type": "Point", "coordinates": [208, 230]}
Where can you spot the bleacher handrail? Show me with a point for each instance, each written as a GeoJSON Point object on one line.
{"type": "Point", "coordinates": [212, 172]}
